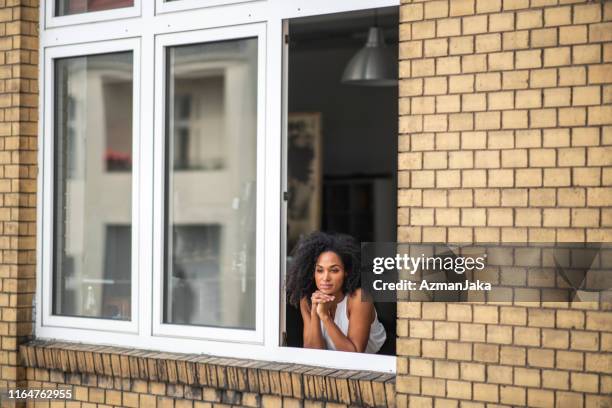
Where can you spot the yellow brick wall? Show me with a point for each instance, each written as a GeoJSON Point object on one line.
{"type": "Point", "coordinates": [18, 130]}
{"type": "Point", "coordinates": [505, 136]}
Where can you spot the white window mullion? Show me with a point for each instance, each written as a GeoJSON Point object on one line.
{"type": "Point", "coordinates": [273, 188]}
{"type": "Point", "coordinates": [146, 188]}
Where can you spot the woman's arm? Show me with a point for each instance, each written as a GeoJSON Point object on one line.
{"type": "Point", "coordinates": [361, 317]}
{"type": "Point", "coordinates": [313, 338]}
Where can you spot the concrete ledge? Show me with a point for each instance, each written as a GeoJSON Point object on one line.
{"type": "Point", "coordinates": [362, 388]}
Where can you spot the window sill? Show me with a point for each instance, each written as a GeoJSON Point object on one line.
{"type": "Point", "coordinates": [289, 380]}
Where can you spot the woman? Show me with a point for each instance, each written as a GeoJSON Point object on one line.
{"type": "Point", "coordinates": [323, 281]}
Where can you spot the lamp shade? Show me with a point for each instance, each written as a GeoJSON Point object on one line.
{"type": "Point", "coordinates": [373, 65]}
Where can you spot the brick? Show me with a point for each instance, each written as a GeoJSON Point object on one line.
{"type": "Point", "coordinates": [529, 19]}
{"type": "Point", "coordinates": [540, 398]}
{"type": "Point", "coordinates": [410, 87]}
{"type": "Point", "coordinates": [423, 29]}
{"type": "Point", "coordinates": [541, 78]}
{"type": "Point", "coordinates": [586, 341]}
{"type": "Point", "coordinates": [446, 330]}
{"type": "Point", "coordinates": [556, 16]}
{"type": "Point", "coordinates": [554, 57]}
{"type": "Point", "coordinates": [411, 49]}
{"type": "Point", "coordinates": [501, 178]}
{"type": "Point", "coordinates": [488, 43]}
{"type": "Point", "coordinates": [598, 321]}
{"type": "Point", "coordinates": [411, 12]}
{"type": "Point", "coordinates": [446, 369]}
{"type": "Point", "coordinates": [436, 47]}
{"type": "Point", "coordinates": [584, 382]}
{"type": "Point", "coordinates": [486, 392]}
{"type": "Point", "coordinates": [487, 120]}
{"type": "Point", "coordinates": [586, 54]}
{"type": "Point", "coordinates": [423, 67]}
{"type": "Point", "coordinates": [572, 116]}
{"type": "Point", "coordinates": [572, 76]}
{"type": "Point", "coordinates": [512, 355]}
{"type": "Point", "coordinates": [461, 45]}
{"type": "Point", "coordinates": [473, 102]}
{"type": "Point", "coordinates": [435, 86]}
{"type": "Point", "coordinates": [461, 83]}
{"type": "Point", "coordinates": [473, 178]}
{"type": "Point", "coordinates": [448, 103]}
{"type": "Point", "coordinates": [515, 40]}
{"type": "Point", "coordinates": [473, 63]}
{"type": "Point", "coordinates": [600, 363]}
{"type": "Point", "coordinates": [486, 353]}
{"type": "Point", "coordinates": [557, 97]}
{"type": "Point", "coordinates": [528, 377]}
{"type": "Point", "coordinates": [462, 7]}
{"type": "Point", "coordinates": [590, 13]}
{"type": "Point", "coordinates": [545, 37]}
{"type": "Point", "coordinates": [539, 118]}
{"type": "Point", "coordinates": [474, 25]}
{"type": "Point", "coordinates": [528, 59]}
{"type": "Point", "coordinates": [571, 197]}
{"type": "Point", "coordinates": [529, 178]}
{"type": "Point", "coordinates": [501, 22]}
{"type": "Point", "coordinates": [436, 9]}
{"type": "Point", "coordinates": [600, 32]}
{"type": "Point", "coordinates": [501, 100]}
{"type": "Point", "coordinates": [502, 61]}
{"type": "Point", "coordinates": [585, 136]}
{"type": "Point", "coordinates": [573, 34]}
{"type": "Point", "coordinates": [556, 137]}
{"type": "Point", "coordinates": [421, 367]}
{"type": "Point", "coordinates": [569, 399]}
{"type": "Point", "coordinates": [435, 123]}
{"type": "Point", "coordinates": [488, 6]}
{"type": "Point", "coordinates": [512, 395]}
{"type": "Point", "coordinates": [488, 81]}
{"type": "Point", "coordinates": [528, 99]}
{"type": "Point", "coordinates": [459, 389]}
{"type": "Point", "coordinates": [472, 371]}
{"type": "Point", "coordinates": [555, 379]}
{"type": "Point", "coordinates": [600, 74]}
{"type": "Point", "coordinates": [448, 27]}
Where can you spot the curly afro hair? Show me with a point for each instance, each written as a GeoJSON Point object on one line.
{"type": "Point", "coordinates": [300, 276]}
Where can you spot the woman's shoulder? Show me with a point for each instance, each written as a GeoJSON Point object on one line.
{"type": "Point", "coordinates": [358, 296]}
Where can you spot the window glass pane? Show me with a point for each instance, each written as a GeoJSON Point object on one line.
{"type": "Point", "coordinates": [65, 7]}
{"type": "Point", "coordinates": [210, 184]}
{"type": "Point", "coordinates": [93, 186]}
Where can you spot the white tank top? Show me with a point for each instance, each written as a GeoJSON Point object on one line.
{"type": "Point", "coordinates": [377, 330]}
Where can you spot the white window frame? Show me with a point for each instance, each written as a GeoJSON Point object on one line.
{"type": "Point", "coordinates": [150, 31]}
{"type": "Point", "coordinates": [163, 42]}
{"type": "Point", "coordinates": [51, 20]}
{"type": "Point", "coordinates": [46, 194]}
{"type": "Point", "coordinates": [165, 6]}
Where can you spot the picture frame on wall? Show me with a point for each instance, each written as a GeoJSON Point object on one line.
{"type": "Point", "coordinates": [304, 179]}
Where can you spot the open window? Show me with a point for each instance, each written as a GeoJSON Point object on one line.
{"type": "Point", "coordinates": [341, 141]}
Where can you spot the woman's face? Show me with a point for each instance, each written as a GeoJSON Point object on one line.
{"type": "Point", "coordinates": [329, 273]}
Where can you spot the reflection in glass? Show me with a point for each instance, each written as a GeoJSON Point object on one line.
{"type": "Point", "coordinates": [92, 201]}
{"type": "Point", "coordinates": [66, 7]}
{"type": "Point", "coordinates": [210, 184]}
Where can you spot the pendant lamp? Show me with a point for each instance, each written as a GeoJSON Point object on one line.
{"type": "Point", "coordinates": [374, 64]}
